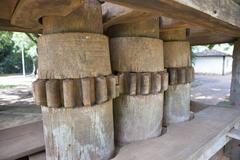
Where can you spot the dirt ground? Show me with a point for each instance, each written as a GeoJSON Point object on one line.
{"type": "Point", "coordinates": [211, 89]}
{"type": "Point", "coordinates": [207, 89]}
{"type": "Point", "coordinates": [16, 90]}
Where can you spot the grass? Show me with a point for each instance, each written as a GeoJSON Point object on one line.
{"type": "Point", "coordinates": [7, 86]}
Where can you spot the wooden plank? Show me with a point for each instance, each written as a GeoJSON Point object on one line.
{"type": "Point", "coordinates": [215, 15]}
{"type": "Point", "coordinates": [198, 139]}
{"type": "Point", "coordinates": [38, 156]}
{"type": "Point", "coordinates": [234, 133]}
{"type": "Point", "coordinates": [21, 141]}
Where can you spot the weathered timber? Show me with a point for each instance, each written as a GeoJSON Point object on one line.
{"type": "Point", "coordinates": [127, 54]}
{"type": "Point", "coordinates": [69, 93]}
{"type": "Point", "coordinates": [177, 103]}
{"type": "Point", "coordinates": [71, 23]}
{"type": "Point", "coordinates": [222, 17]}
{"type": "Point", "coordinates": [57, 51]}
{"type": "Point", "coordinates": [32, 11]}
{"type": "Point", "coordinates": [79, 133]}
{"type": "Point", "coordinates": [53, 92]}
{"type": "Point", "coordinates": [114, 14]}
{"type": "Point", "coordinates": [177, 54]}
{"type": "Point", "coordinates": [137, 117]}
{"type": "Point", "coordinates": [156, 83]}
{"type": "Point", "coordinates": [101, 90]}
{"type": "Point", "coordinates": [178, 61]}
{"type": "Point", "coordinates": [39, 90]}
{"type": "Point", "coordinates": [147, 28]}
{"type": "Point", "coordinates": [20, 141]}
{"type": "Point", "coordinates": [201, 138]}
{"type": "Point", "coordinates": [79, 62]}
{"type": "Point", "coordinates": [235, 83]}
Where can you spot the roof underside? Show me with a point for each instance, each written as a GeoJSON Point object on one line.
{"type": "Point", "coordinates": [215, 21]}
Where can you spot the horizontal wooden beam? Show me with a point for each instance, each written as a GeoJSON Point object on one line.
{"type": "Point", "coordinates": [215, 15]}
{"type": "Point", "coordinates": [202, 36]}
{"type": "Point", "coordinates": [6, 26]}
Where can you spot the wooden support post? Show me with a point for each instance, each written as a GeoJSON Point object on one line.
{"type": "Point", "coordinates": [235, 84]}
{"type": "Point", "coordinates": [71, 64]}
{"type": "Point", "coordinates": [136, 52]}
{"type": "Point", "coordinates": [177, 61]}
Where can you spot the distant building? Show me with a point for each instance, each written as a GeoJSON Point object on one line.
{"type": "Point", "coordinates": [213, 62]}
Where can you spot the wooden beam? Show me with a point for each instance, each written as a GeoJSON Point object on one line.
{"type": "Point", "coordinates": [198, 139]}
{"type": "Point", "coordinates": [29, 12]}
{"type": "Point", "coordinates": [202, 36]}
{"type": "Point", "coordinates": [115, 14]}
{"type": "Point", "coordinates": [214, 15]}
{"type": "Point", "coordinates": [6, 26]}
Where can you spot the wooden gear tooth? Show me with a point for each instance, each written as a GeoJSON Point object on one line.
{"type": "Point", "coordinates": [101, 90]}
{"type": "Point", "coordinates": [172, 76]}
{"type": "Point", "coordinates": [156, 83]}
{"type": "Point", "coordinates": [88, 94]}
{"type": "Point", "coordinates": [132, 82]}
{"type": "Point", "coordinates": [181, 75]}
{"type": "Point", "coordinates": [53, 93]}
{"type": "Point", "coordinates": [165, 81]}
{"type": "Point", "coordinates": [69, 93]}
{"type": "Point", "coordinates": [112, 86]}
{"type": "Point", "coordinates": [39, 89]}
{"type": "Point", "coordinates": [145, 83]}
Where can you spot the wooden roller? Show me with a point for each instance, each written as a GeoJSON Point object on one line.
{"type": "Point", "coordinates": [156, 83]}
{"type": "Point", "coordinates": [53, 93]}
{"type": "Point", "coordinates": [145, 83]}
{"type": "Point", "coordinates": [132, 83]}
{"type": "Point", "coordinates": [101, 90]}
{"type": "Point", "coordinates": [39, 89]}
{"type": "Point", "coordinates": [88, 91]}
{"type": "Point", "coordinates": [165, 81]}
{"type": "Point", "coordinates": [172, 76]}
{"type": "Point", "coordinates": [181, 75]}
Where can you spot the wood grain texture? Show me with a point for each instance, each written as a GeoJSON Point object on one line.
{"type": "Point", "coordinates": [177, 103]}
{"type": "Point", "coordinates": [84, 133]}
{"type": "Point", "coordinates": [53, 93]}
{"type": "Point", "coordinates": [201, 138]}
{"type": "Point", "coordinates": [235, 82]}
{"type": "Point", "coordinates": [39, 92]}
{"type": "Point", "coordinates": [76, 21]}
{"type": "Point", "coordinates": [21, 141]}
{"type": "Point", "coordinates": [73, 55]}
{"type": "Point", "coordinates": [177, 54]}
{"type": "Point", "coordinates": [137, 118]}
{"type": "Point", "coordinates": [133, 54]}
{"type": "Point", "coordinates": [221, 17]}
{"type": "Point", "coordinates": [28, 12]}
{"type": "Point", "coordinates": [149, 27]}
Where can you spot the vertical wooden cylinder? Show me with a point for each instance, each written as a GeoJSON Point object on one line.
{"type": "Point", "coordinates": [177, 97]}
{"type": "Point", "coordinates": [72, 131]}
{"type": "Point", "coordinates": [137, 117]}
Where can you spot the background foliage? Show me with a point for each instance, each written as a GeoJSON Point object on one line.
{"type": "Point", "coordinates": [11, 44]}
